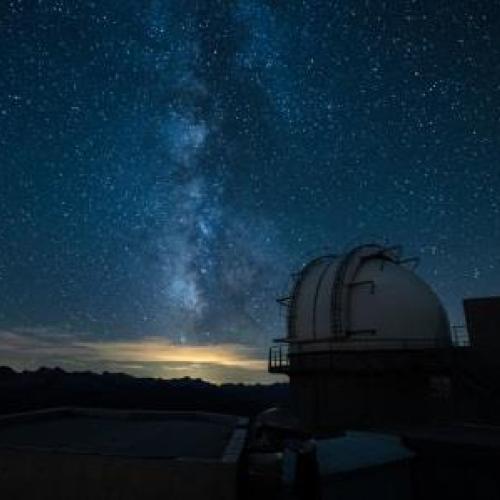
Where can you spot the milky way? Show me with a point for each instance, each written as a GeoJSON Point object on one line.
{"type": "Point", "coordinates": [165, 165]}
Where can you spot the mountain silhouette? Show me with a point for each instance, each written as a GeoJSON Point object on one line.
{"type": "Point", "coordinates": [53, 387]}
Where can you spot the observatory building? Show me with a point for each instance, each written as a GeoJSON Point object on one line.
{"type": "Point", "coordinates": [366, 342]}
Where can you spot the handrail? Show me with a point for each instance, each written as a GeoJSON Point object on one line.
{"type": "Point", "coordinates": [351, 340]}
{"type": "Point", "coordinates": [278, 360]}
{"type": "Point", "coordinates": [279, 355]}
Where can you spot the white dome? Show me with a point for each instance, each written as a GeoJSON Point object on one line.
{"type": "Point", "coordinates": [364, 299]}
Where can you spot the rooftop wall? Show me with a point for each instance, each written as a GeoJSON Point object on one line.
{"type": "Point", "coordinates": [60, 469]}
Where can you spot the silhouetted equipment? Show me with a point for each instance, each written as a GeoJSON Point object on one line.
{"type": "Point", "coordinates": [366, 343]}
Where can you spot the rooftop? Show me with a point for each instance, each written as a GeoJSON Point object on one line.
{"type": "Point", "coordinates": [125, 433]}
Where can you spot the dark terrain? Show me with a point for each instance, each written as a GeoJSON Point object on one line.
{"type": "Point", "coordinates": [53, 387]}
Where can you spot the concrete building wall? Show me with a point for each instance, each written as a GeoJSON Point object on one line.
{"type": "Point", "coordinates": [483, 323]}
{"type": "Point", "coordinates": [326, 401]}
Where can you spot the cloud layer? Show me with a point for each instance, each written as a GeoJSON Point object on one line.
{"type": "Point", "coordinates": [149, 356]}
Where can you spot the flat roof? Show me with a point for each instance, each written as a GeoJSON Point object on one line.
{"type": "Point", "coordinates": [124, 433]}
{"type": "Point", "coordinates": [358, 450]}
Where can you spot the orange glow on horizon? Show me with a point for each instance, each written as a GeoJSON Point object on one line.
{"type": "Point", "coordinates": [157, 350]}
{"type": "Point", "coordinates": [144, 357]}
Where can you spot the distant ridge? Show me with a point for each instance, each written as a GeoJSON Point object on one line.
{"type": "Point", "coordinates": [54, 387]}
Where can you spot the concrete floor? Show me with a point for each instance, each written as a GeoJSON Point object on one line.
{"type": "Point", "coordinates": [105, 435]}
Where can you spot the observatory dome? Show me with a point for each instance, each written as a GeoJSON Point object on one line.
{"type": "Point", "coordinates": [368, 298]}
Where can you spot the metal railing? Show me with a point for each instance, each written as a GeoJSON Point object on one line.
{"type": "Point", "coordinates": [280, 355]}
{"type": "Point", "coordinates": [279, 359]}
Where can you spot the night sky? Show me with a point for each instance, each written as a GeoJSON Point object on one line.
{"type": "Point", "coordinates": [165, 165]}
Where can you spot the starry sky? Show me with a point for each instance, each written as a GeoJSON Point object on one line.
{"type": "Point", "coordinates": [165, 166]}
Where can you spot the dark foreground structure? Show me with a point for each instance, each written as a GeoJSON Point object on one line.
{"type": "Point", "coordinates": [110, 454]}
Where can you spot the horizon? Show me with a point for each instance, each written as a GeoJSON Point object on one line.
{"type": "Point", "coordinates": [126, 374]}
{"type": "Point", "coordinates": [149, 357]}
